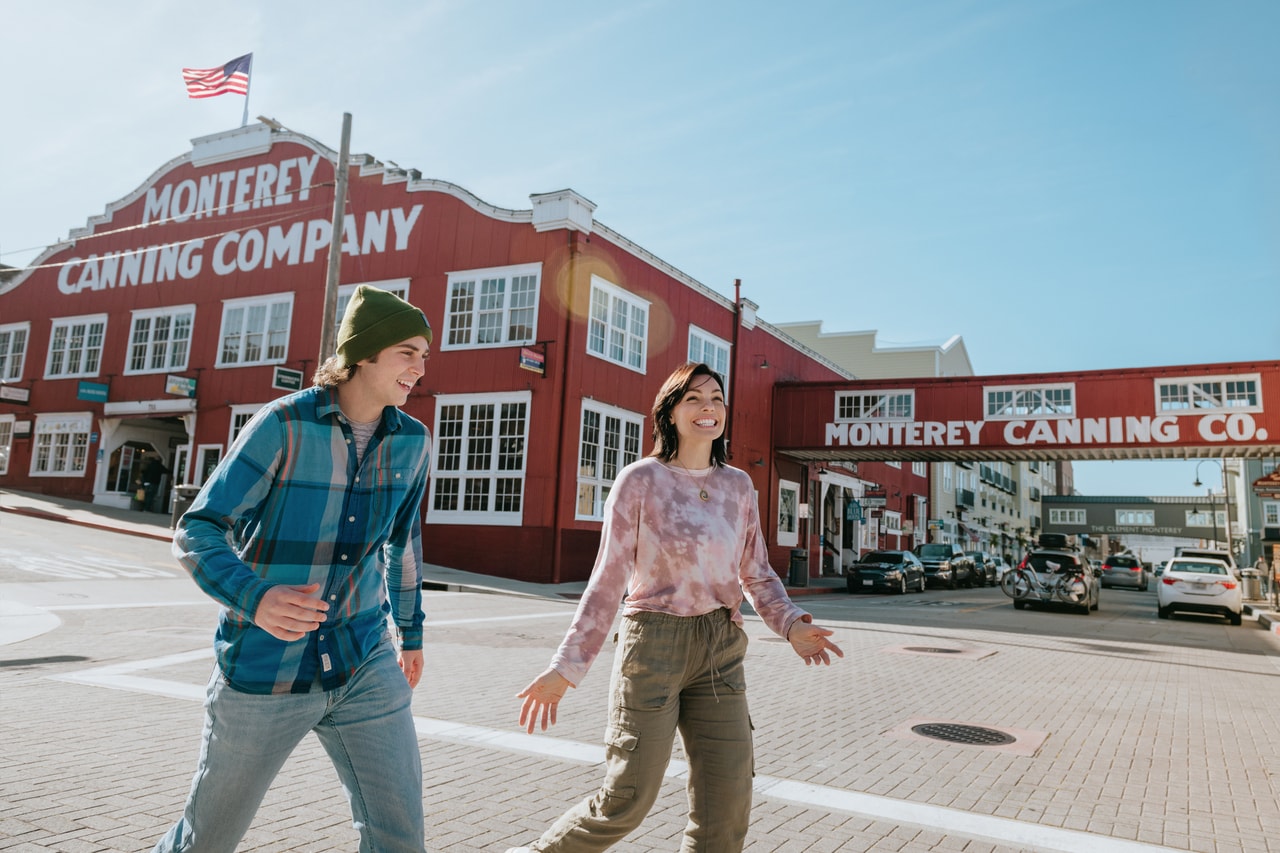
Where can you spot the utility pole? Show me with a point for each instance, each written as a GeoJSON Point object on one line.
{"type": "Point", "coordinates": [329, 316]}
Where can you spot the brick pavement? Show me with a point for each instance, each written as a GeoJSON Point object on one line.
{"type": "Point", "coordinates": [1157, 745]}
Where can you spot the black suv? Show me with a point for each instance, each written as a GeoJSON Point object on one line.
{"type": "Point", "coordinates": [984, 567]}
{"type": "Point", "coordinates": [945, 565]}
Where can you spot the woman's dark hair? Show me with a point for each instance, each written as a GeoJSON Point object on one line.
{"type": "Point", "coordinates": [666, 441]}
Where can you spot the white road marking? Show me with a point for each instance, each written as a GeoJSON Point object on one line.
{"type": "Point", "coordinates": [939, 818]}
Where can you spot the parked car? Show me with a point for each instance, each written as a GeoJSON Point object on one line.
{"type": "Point", "coordinates": [886, 571]}
{"type": "Point", "coordinates": [1199, 585]}
{"type": "Point", "coordinates": [1124, 570]}
{"type": "Point", "coordinates": [1158, 569]}
{"type": "Point", "coordinates": [1209, 554]}
{"type": "Point", "coordinates": [1001, 568]}
{"type": "Point", "coordinates": [945, 565]}
{"type": "Point", "coordinates": [1048, 564]}
{"type": "Point", "coordinates": [984, 568]}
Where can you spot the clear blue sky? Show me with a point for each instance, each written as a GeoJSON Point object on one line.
{"type": "Point", "coordinates": [1068, 184]}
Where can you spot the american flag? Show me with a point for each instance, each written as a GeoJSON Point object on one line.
{"type": "Point", "coordinates": [210, 82]}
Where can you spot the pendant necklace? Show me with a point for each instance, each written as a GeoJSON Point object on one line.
{"type": "Point", "coordinates": [702, 490]}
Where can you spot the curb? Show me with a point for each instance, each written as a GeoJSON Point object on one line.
{"type": "Point", "coordinates": [49, 516]}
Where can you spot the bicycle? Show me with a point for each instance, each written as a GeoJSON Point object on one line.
{"type": "Point", "coordinates": [1064, 583]}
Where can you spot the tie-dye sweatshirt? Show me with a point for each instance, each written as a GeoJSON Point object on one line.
{"type": "Point", "coordinates": [671, 552]}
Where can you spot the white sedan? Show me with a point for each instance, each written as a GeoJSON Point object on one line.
{"type": "Point", "coordinates": [1199, 585]}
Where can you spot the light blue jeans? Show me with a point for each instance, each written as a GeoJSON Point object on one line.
{"type": "Point", "coordinates": [366, 727]}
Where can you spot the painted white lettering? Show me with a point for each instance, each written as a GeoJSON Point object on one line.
{"type": "Point", "coordinates": [1206, 428]}
{"type": "Point", "coordinates": [206, 204]}
{"type": "Point", "coordinates": [953, 433]}
{"type": "Point", "coordinates": [283, 245]}
{"type": "Point", "coordinates": [934, 432]}
{"type": "Point", "coordinates": [167, 260]}
{"type": "Point", "coordinates": [374, 238]}
{"type": "Point", "coordinates": [1013, 432]}
{"type": "Point", "coordinates": [189, 260]}
{"type": "Point", "coordinates": [88, 275]}
{"type": "Point", "coordinates": [306, 169]}
{"type": "Point", "coordinates": [283, 194]}
{"type": "Point", "coordinates": [1137, 429]}
{"type": "Point", "coordinates": [1164, 429]}
{"type": "Point", "coordinates": [1240, 426]}
{"type": "Point", "coordinates": [879, 433]}
{"type": "Point", "coordinates": [1068, 431]}
{"type": "Point", "coordinates": [1095, 430]}
{"type": "Point", "coordinates": [157, 204]}
{"type": "Point", "coordinates": [318, 231]}
{"type": "Point", "coordinates": [975, 431]}
{"type": "Point", "coordinates": [64, 276]}
{"type": "Point", "coordinates": [222, 266]}
{"type": "Point", "coordinates": [266, 182]}
{"type": "Point", "coordinates": [249, 253]}
{"type": "Point", "coordinates": [225, 181]}
{"type": "Point", "coordinates": [403, 225]}
{"type": "Point", "coordinates": [837, 434]}
{"type": "Point", "coordinates": [244, 188]}
{"type": "Point", "coordinates": [183, 205]}
{"type": "Point", "coordinates": [859, 434]}
{"type": "Point", "coordinates": [148, 265]}
{"type": "Point", "coordinates": [107, 271]}
{"type": "Point", "coordinates": [131, 268]}
{"type": "Point", "coordinates": [350, 242]}
{"type": "Point", "coordinates": [1041, 433]}
{"type": "Point", "coordinates": [911, 435]}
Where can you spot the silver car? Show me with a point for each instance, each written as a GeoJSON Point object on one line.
{"type": "Point", "coordinates": [1124, 570]}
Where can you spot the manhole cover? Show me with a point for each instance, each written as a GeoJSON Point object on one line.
{"type": "Point", "coordinates": [973, 735]}
{"type": "Point", "coordinates": [931, 651]}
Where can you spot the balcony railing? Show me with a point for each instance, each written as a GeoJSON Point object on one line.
{"type": "Point", "coordinates": [964, 497]}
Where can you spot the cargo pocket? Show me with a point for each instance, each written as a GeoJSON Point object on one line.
{"type": "Point", "coordinates": [619, 788]}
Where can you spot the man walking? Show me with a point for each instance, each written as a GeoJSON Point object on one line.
{"type": "Point", "coordinates": [308, 533]}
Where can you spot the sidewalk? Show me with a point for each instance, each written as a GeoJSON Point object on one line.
{"type": "Point", "coordinates": [155, 525]}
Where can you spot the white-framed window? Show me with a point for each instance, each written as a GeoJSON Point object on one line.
{"type": "Point", "coordinates": [608, 441]}
{"type": "Point", "coordinates": [1067, 516]}
{"type": "Point", "coordinates": [788, 513]}
{"type": "Point", "coordinates": [1270, 513]}
{"type": "Point", "coordinates": [1015, 402]}
{"type": "Point", "coordinates": [477, 475]}
{"type": "Point", "coordinates": [255, 330]}
{"type": "Point", "coordinates": [1207, 518]}
{"type": "Point", "coordinates": [207, 458]}
{"type": "Point", "coordinates": [1136, 517]}
{"type": "Point", "coordinates": [891, 521]}
{"type": "Point", "coordinates": [160, 340]}
{"type": "Point", "coordinates": [492, 307]}
{"type": "Point", "coordinates": [711, 351]}
{"type": "Point", "coordinates": [241, 415]}
{"type": "Point", "coordinates": [618, 328]}
{"type": "Point", "coordinates": [75, 346]}
{"type": "Point", "coordinates": [61, 444]}
{"type": "Point", "coordinates": [920, 469]}
{"type": "Point", "coordinates": [13, 350]}
{"type": "Point", "coordinates": [895, 405]}
{"type": "Point", "coordinates": [1206, 394]}
{"type": "Point", "coordinates": [6, 442]}
{"type": "Point", "coordinates": [946, 477]}
{"type": "Point", "coordinates": [398, 286]}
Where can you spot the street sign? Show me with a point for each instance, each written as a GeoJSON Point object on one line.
{"type": "Point", "coordinates": [179, 386]}
{"type": "Point", "coordinates": [874, 499]}
{"type": "Point", "coordinates": [16, 395]}
{"type": "Point", "coordinates": [286, 379]}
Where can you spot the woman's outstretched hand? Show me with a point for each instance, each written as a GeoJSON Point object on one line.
{"type": "Point", "coordinates": [811, 643]}
{"type": "Point", "coordinates": [541, 698]}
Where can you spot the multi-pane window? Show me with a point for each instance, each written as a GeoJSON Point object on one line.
{"type": "Point", "coordinates": [1271, 513]}
{"type": "Point", "coordinates": [1067, 516]}
{"type": "Point", "coordinates": [788, 513]}
{"type": "Point", "coordinates": [6, 442]}
{"type": "Point", "coordinates": [75, 346]}
{"type": "Point", "coordinates": [398, 286]}
{"type": "Point", "coordinates": [1013, 402]}
{"type": "Point", "coordinates": [1207, 518]}
{"type": "Point", "coordinates": [13, 350]}
{"type": "Point", "coordinates": [160, 339]}
{"type": "Point", "coordinates": [61, 444]}
{"type": "Point", "coordinates": [920, 469]}
{"type": "Point", "coordinates": [479, 466]}
{"type": "Point", "coordinates": [1136, 517]}
{"type": "Point", "coordinates": [1210, 394]}
{"type": "Point", "coordinates": [711, 351]}
{"type": "Point", "coordinates": [255, 330]}
{"type": "Point", "coordinates": [241, 415]}
{"type": "Point", "coordinates": [495, 307]}
{"type": "Point", "coordinates": [618, 328]}
{"type": "Point", "coordinates": [897, 405]}
{"type": "Point", "coordinates": [608, 441]}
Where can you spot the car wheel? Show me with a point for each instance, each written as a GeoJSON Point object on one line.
{"type": "Point", "coordinates": [951, 584]}
{"type": "Point", "coordinates": [902, 586]}
{"type": "Point", "coordinates": [1163, 612]}
{"type": "Point", "coordinates": [1236, 618]}
{"type": "Point", "coordinates": [1086, 608]}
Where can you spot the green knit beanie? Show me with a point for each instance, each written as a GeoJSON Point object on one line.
{"type": "Point", "coordinates": [374, 320]}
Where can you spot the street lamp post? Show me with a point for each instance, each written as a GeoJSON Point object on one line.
{"type": "Point", "coordinates": [1226, 501]}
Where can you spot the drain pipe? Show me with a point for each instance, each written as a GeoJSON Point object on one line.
{"type": "Point", "coordinates": [557, 548]}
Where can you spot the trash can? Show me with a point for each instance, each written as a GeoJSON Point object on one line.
{"type": "Point", "coordinates": [1251, 585]}
{"type": "Point", "coordinates": [182, 498]}
{"type": "Point", "coordinates": [799, 570]}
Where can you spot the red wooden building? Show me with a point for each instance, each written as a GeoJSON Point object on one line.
{"type": "Point", "coordinates": [132, 352]}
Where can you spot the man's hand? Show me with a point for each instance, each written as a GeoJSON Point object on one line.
{"type": "Point", "coordinates": [541, 698]}
{"type": "Point", "coordinates": [290, 612]}
{"type": "Point", "coordinates": [411, 665]}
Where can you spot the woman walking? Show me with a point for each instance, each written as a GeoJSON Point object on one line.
{"type": "Point", "coordinates": [682, 539]}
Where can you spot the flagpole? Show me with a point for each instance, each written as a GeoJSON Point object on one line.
{"type": "Point", "coordinates": [244, 120]}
